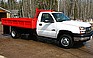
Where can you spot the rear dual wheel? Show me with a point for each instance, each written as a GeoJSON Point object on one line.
{"type": "Point", "coordinates": [14, 33]}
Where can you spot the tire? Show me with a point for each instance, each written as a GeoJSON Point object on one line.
{"type": "Point", "coordinates": [66, 41]}
{"type": "Point", "coordinates": [14, 34]}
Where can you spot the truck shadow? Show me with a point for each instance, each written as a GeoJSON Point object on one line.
{"type": "Point", "coordinates": [78, 45]}
{"type": "Point", "coordinates": [43, 40]}
{"type": "Point", "coordinates": [47, 40]}
{"type": "Point", "coordinates": [53, 41]}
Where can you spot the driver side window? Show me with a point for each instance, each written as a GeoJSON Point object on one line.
{"type": "Point", "coordinates": [46, 17]}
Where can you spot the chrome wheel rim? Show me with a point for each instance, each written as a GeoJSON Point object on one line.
{"type": "Point", "coordinates": [65, 41]}
{"type": "Point", "coordinates": [13, 34]}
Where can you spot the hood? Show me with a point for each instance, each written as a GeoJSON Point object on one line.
{"type": "Point", "coordinates": [77, 23]}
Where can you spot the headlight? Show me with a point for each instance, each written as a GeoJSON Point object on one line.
{"type": "Point", "coordinates": [82, 30]}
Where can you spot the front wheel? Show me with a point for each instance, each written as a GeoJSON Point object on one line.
{"type": "Point", "coordinates": [66, 41]}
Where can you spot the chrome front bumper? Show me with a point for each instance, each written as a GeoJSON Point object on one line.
{"type": "Point", "coordinates": [82, 38]}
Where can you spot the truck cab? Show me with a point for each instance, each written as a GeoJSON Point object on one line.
{"type": "Point", "coordinates": [66, 31]}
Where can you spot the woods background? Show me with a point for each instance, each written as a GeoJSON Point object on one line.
{"type": "Point", "coordinates": [76, 9]}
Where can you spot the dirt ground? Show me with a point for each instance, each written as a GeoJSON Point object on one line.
{"type": "Point", "coordinates": [21, 48]}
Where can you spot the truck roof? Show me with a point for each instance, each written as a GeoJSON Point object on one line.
{"type": "Point", "coordinates": [40, 10]}
{"type": "Point", "coordinates": [51, 12]}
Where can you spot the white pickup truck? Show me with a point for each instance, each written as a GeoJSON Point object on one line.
{"type": "Point", "coordinates": [50, 24]}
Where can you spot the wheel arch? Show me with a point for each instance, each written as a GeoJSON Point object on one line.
{"type": "Point", "coordinates": [61, 32]}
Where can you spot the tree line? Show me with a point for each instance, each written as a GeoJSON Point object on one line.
{"type": "Point", "coordinates": [76, 9]}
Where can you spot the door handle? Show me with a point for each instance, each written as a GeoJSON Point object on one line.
{"type": "Point", "coordinates": [40, 24]}
{"type": "Point", "coordinates": [53, 29]}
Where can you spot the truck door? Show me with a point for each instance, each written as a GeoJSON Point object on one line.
{"type": "Point", "coordinates": [46, 26]}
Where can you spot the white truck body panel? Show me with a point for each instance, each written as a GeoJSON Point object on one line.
{"type": "Point", "coordinates": [46, 29]}
{"type": "Point", "coordinates": [77, 23]}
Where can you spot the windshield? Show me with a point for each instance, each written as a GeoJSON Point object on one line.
{"type": "Point", "coordinates": [59, 17]}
